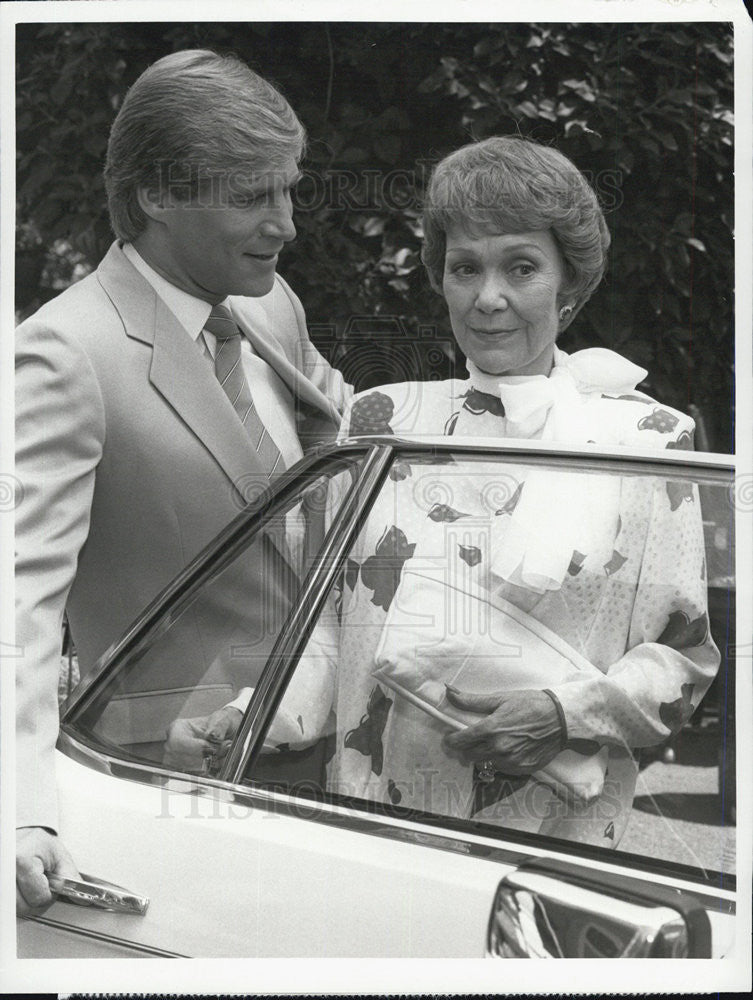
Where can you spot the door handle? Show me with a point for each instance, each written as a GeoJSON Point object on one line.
{"type": "Point", "coordinates": [90, 891]}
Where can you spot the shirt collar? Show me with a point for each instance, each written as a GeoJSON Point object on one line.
{"type": "Point", "coordinates": [190, 311]}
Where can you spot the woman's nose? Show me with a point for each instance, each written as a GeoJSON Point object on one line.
{"type": "Point", "coordinates": [491, 295]}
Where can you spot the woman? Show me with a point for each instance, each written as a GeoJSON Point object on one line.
{"type": "Point", "coordinates": [516, 243]}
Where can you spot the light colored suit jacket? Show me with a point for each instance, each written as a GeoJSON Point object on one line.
{"type": "Point", "coordinates": [131, 458]}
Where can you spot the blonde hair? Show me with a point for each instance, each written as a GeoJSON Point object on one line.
{"type": "Point", "coordinates": [193, 115]}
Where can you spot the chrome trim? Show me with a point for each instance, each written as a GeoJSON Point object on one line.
{"type": "Point", "coordinates": [701, 473]}
{"type": "Point", "coordinates": [107, 938]}
{"type": "Point", "coordinates": [484, 844]}
{"type": "Point", "coordinates": [503, 446]}
{"type": "Point", "coordinates": [284, 656]}
{"type": "Point", "coordinates": [88, 890]}
{"type": "Point", "coordinates": [81, 753]}
{"type": "Point", "coordinates": [546, 910]}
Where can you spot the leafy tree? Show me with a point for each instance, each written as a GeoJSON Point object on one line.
{"type": "Point", "coordinates": [645, 110]}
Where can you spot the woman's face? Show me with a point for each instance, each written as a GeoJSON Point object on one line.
{"type": "Point", "coordinates": [503, 292]}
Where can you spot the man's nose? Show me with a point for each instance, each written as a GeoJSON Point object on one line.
{"type": "Point", "coordinates": [492, 295]}
{"type": "Point", "coordinates": [279, 222]}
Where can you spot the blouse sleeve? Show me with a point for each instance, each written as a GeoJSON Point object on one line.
{"type": "Point", "coordinates": [653, 689]}
{"type": "Point", "coordinates": [367, 413]}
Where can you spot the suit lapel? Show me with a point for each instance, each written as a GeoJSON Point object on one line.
{"type": "Point", "coordinates": [178, 370]}
{"type": "Point", "coordinates": [188, 383]}
{"type": "Point", "coordinates": [267, 347]}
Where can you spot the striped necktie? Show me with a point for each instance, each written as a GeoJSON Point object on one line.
{"type": "Point", "coordinates": [229, 370]}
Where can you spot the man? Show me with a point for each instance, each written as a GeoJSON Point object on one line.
{"type": "Point", "coordinates": [142, 414]}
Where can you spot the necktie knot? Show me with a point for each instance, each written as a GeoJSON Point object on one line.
{"type": "Point", "coordinates": [221, 323]}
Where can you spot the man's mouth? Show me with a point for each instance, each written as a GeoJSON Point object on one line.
{"type": "Point", "coordinates": [263, 256]}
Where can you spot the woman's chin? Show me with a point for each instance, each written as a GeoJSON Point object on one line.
{"type": "Point", "coordinates": [493, 363]}
{"type": "Point", "coordinates": [490, 364]}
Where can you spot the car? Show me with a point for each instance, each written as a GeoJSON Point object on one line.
{"type": "Point", "coordinates": [250, 850]}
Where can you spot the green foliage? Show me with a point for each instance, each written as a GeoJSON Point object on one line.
{"type": "Point", "coordinates": [643, 109]}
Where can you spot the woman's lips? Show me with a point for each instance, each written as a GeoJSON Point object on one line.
{"type": "Point", "coordinates": [491, 333]}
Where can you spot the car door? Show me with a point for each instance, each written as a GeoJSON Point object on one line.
{"type": "Point", "coordinates": [229, 872]}
{"type": "Point", "coordinates": [262, 849]}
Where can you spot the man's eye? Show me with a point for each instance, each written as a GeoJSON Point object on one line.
{"type": "Point", "coordinates": [248, 200]}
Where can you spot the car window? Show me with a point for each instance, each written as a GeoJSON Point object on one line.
{"type": "Point", "coordinates": [608, 591]}
{"type": "Point", "coordinates": [152, 703]}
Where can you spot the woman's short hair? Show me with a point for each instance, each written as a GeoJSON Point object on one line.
{"type": "Point", "coordinates": [194, 117]}
{"type": "Point", "coordinates": [508, 184]}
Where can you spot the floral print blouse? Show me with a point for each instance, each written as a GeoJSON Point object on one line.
{"type": "Point", "coordinates": [634, 605]}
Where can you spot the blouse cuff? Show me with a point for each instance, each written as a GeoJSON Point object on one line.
{"type": "Point", "coordinates": [560, 716]}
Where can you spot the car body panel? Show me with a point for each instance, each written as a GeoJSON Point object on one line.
{"type": "Point", "coordinates": [311, 888]}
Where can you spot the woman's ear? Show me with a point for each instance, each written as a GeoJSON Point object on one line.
{"type": "Point", "coordinates": [565, 314]}
{"type": "Point", "coordinates": [436, 285]}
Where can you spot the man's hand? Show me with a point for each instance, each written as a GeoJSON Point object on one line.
{"type": "Point", "coordinates": [521, 733]}
{"type": "Point", "coordinates": [38, 851]}
{"type": "Point", "coordinates": [223, 724]}
{"type": "Point", "coordinates": [190, 741]}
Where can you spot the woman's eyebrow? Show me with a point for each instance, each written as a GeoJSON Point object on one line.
{"type": "Point", "coordinates": [524, 246]}
{"type": "Point", "coordinates": [510, 248]}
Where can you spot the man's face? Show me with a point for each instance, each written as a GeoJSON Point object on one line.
{"type": "Point", "coordinates": [226, 241]}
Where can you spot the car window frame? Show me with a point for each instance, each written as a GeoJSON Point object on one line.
{"type": "Point", "coordinates": [284, 657]}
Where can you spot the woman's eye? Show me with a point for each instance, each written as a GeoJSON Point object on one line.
{"type": "Point", "coordinates": [462, 270]}
{"type": "Point", "coordinates": [524, 270]}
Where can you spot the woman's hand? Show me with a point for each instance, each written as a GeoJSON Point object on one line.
{"type": "Point", "coordinates": [521, 733]}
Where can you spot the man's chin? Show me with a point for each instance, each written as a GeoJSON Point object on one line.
{"type": "Point", "coordinates": [255, 288]}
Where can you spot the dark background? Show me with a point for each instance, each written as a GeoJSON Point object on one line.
{"type": "Point", "coordinates": [645, 110]}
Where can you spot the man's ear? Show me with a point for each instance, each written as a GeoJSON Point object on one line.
{"type": "Point", "coordinates": [153, 203]}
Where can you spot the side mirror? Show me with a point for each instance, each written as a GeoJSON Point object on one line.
{"type": "Point", "coordinates": [557, 909]}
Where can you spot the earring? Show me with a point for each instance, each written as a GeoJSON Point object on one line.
{"type": "Point", "coordinates": [565, 313]}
